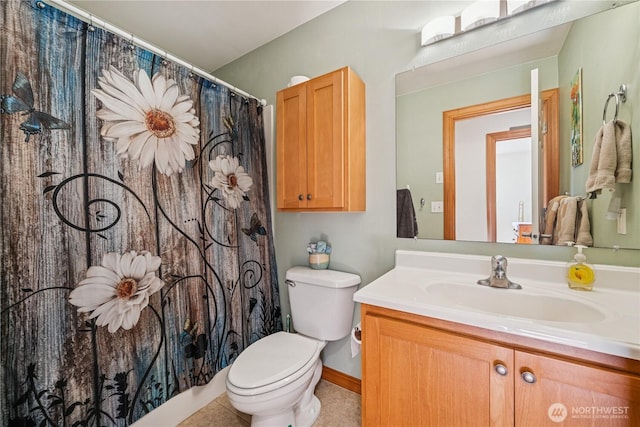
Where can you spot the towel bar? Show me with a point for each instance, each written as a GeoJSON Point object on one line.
{"type": "Point", "coordinates": [620, 95]}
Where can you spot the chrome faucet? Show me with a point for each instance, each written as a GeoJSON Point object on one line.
{"type": "Point", "coordinates": [498, 278]}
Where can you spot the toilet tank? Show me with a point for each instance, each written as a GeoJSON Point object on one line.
{"type": "Point", "coordinates": [321, 302]}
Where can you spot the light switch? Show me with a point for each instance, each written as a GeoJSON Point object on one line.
{"type": "Point", "coordinates": [439, 178]}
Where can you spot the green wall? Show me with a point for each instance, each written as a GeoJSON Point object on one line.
{"type": "Point", "coordinates": [378, 39]}
{"type": "Point", "coordinates": [618, 48]}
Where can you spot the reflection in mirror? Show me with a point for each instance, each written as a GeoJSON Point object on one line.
{"type": "Point", "coordinates": [469, 184]}
{"type": "Point", "coordinates": [609, 37]}
{"type": "Point", "coordinates": [509, 186]}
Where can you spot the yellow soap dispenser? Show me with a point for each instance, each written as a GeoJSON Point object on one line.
{"type": "Point", "coordinates": [580, 275]}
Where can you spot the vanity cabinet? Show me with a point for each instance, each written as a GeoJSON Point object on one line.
{"type": "Point", "coordinates": [320, 128]}
{"type": "Point", "coordinates": [418, 371]}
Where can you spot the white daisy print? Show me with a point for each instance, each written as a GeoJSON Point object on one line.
{"type": "Point", "coordinates": [231, 179]}
{"type": "Point", "coordinates": [148, 118]}
{"type": "Point", "coordinates": [118, 290]}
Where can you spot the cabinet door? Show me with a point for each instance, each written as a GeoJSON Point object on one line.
{"type": "Point", "coordinates": [291, 124]}
{"type": "Point", "coordinates": [326, 141]}
{"type": "Point", "coordinates": [571, 394]}
{"type": "Point", "coordinates": [414, 375]}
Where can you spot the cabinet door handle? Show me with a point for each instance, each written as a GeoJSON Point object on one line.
{"type": "Point", "coordinates": [528, 377]}
{"type": "Point", "coordinates": [300, 197]}
{"type": "Point", "coordinates": [501, 369]}
{"type": "Point", "coordinates": [309, 196]}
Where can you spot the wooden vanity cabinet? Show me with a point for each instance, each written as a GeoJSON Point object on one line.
{"type": "Point", "coordinates": [418, 371]}
{"type": "Point", "coordinates": [320, 128]}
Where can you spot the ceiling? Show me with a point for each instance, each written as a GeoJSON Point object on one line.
{"type": "Point", "coordinates": [206, 33]}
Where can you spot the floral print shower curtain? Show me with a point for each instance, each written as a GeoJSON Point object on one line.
{"type": "Point", "coordinates": [137, 253]}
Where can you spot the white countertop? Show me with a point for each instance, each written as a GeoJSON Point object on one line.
{"type": "Point", "coordinates": [410, 287]}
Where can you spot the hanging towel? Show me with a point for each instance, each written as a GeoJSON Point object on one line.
{"type": "Point", "coordinates": [611, 160]}
{"type": "Point", "coordinates": [546, 238]}
{"type": "Point", "coordinates": [407, 226]}
{"type": "Point", "coordinates": [572, 222]}
{"type": "Point", "coordinates": [603, 163]}
{"type": "Point", "coordinates": [566, 221]}
{"type": "Point", "coordinates": [583, 225]}
{"type": "Point", "coordinates": [624, 152]}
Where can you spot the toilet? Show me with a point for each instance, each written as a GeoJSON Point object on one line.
{"type": "Point", "coordinates": [274, 378]}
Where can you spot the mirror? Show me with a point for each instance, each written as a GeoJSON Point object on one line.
{"type": "Point", "coordinates": [493, 74]}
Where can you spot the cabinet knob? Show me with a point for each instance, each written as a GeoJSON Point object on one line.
{"type": "Point", "coordinates": [300, 197]}
{"type": "Point", "coordinates": [528, 377]}
{"type": "Point", "coordinates": [309, 196]}
{"type": "Point", "coordinates": [501, 369]}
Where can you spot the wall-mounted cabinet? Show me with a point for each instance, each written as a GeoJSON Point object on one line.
{"type": "Point", "coordinates": [321, 151]}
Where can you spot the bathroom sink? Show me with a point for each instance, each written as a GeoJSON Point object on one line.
{"type": "Point", "coordinates": [511, 302]}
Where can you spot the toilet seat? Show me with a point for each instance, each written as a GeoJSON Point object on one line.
{"type": "Point", "coordinates": [272, 362]}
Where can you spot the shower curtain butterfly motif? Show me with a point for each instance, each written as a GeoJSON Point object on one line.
{"type": "Point", "coordinates": [114, 190]}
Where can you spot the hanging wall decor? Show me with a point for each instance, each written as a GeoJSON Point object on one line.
{"type": "Point", "coordinates": [576, 119]}
{"type": "Point", "coordinates": [137, 251]}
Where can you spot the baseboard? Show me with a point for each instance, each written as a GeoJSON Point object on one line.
{"type": "Point", "coordinates": [343, 380]}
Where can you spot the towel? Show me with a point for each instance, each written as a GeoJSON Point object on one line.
{"type": "Point", "coordinates": [566, 221]}
{"type": "Point", "coordinates": [546, 238]}
{"type": "Point", "coordinates": [583, 225]}
{"type": "Point", "coordinates": [611, 160]}
{"type": "Point", "coordinates": [572, 223]}
{"type": "Point", "coordinates": [624, 152]}
{"type": "Point", "coordinates": [407, 226]}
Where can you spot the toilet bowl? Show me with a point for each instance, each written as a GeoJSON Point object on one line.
{"type": "Point", "coordinates": [274, 378]}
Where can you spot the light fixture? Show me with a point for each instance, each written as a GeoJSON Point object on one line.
{"type": "Point", "coordinates": [479, 13]}
{"type": "Point", "coordinates": [438, 29]}
{"type": "Point", "coordinates": [517, 6]}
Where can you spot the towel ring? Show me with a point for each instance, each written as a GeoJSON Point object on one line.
{"type": "Point", "coordinates": [620, 95]}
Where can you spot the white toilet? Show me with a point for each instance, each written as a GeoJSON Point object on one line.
{"type": "Point", "coordinates": [274, 378]}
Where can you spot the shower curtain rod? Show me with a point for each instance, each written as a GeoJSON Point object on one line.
{"type": "Point", "coordinates": [93, 20]}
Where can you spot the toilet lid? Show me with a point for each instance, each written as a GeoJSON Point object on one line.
{"type": "Point", "coordinates": [271, 359]}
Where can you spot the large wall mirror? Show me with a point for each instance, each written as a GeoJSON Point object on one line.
{"type": "Point", "coordinates": [492, 156]}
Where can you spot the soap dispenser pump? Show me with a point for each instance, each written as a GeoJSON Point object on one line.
{"type": "Point", "coordinates": [580, 275]}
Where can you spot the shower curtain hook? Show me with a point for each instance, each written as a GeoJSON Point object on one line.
{"type": "Point", "coordinates": [192, 74]}
{"type": "Point", "coordinates": [132, 44]}
{"type": "Point", "coordinates": [164, 60]}
{"type": "Point", "coordinates": [91, 27]}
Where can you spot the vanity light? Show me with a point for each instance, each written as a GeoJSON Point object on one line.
{"type": "Point", "coordinates": [480, 13]}
{"type": "Point", "coordinates": [438, 29]}
{"type": "Point", "coordinates": [517, 6]}
{"type": "Point", "coordinates": [475, 15]}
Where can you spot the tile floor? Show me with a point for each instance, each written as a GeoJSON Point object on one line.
{"type": "Point", "coordinates": [340, 408]}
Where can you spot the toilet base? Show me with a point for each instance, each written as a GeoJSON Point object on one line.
{"type": "Point", "coordinates": [305, 417]}
{"type": "Point", "coordinates": [284, 419]}
{"type": "Point", "coordinates": [303, 413]}
{"type": "Point", "coordinates": [308, 409]}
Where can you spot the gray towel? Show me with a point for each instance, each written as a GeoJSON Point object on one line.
{"type": "Point", "coordinates": [407, 226]}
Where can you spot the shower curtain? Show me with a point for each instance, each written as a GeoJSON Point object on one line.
{"type": "Point", "coordinates": [137, 252]}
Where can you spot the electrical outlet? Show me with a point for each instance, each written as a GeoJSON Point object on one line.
{"type": "Point", "coordinates": [622, 221]}
{"type": "Point", "coordinates": [437, 207]}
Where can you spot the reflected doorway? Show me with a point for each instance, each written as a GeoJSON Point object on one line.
{"type": "Point", "coordinates": [548, 175]}
{"type": "Point", "coordinates": [508, 155]}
